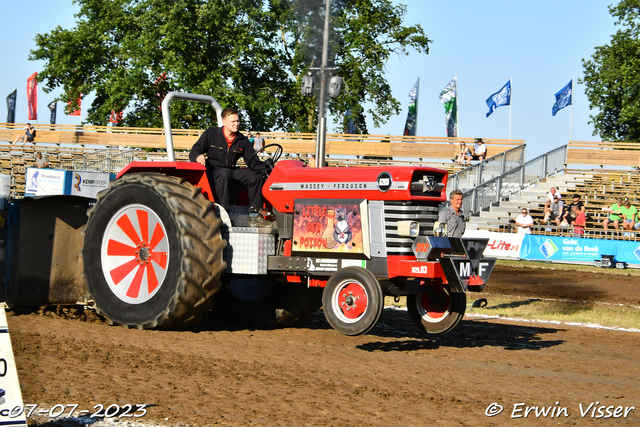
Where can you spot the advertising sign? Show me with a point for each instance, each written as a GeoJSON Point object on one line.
{"type": "Point", "coordinates": [579, 250]}
{"type": "Point", "coordinates": [11, 405]}
{"type": "Point", "coordinates": [5, 186]}
{"type": "Point", "coordinates": [44, 182]}
{"type": "Point", "coordinates": [88, 184]}
{"type": "Point", "coordinates": [325, 226]}
{"type": "Point", "coordinates": [501, 245]}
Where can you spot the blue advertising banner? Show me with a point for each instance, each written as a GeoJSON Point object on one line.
{"type": "Point", "coordinates": [576, 249]}
{"type": "Point", "coordinates": [49, 182]}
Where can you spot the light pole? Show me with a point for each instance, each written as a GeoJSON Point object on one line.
{"type": "Point", "coordinates": [321, 138]}
{"type": "Point", "coordinates": [328, 86]}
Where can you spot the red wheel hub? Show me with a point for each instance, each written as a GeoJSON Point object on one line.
{"type": "Point", "coordinates": [352, 300]}
{"type": "Point", "coordinates": [436, 304]}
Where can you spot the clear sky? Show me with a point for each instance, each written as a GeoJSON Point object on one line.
{"type": "Point", "coordinates": [539, 45]}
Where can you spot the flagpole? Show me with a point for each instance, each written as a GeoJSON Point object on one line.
{"type": "Point", "coordinates": [571, 115]}
{"type": "Point", "coordinates": [510, 101]}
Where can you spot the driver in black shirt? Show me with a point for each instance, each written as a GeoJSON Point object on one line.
{"type": "Point", "coordinates": [219, 148]}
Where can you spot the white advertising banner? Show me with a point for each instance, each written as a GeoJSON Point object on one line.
{"type": "Point", "coordinates": [501, 245]}
{"type": "Point", "coordinates": [5, 186]}
{"type": "Point", "coordinates": [44, 182]}
{"type": "Point", "coordinates": [11, 405]}
{"type": "Point", "coordinates": [89, 184]}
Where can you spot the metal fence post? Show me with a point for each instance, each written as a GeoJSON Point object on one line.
{"type": "Point", "coordinates": [474, 200]}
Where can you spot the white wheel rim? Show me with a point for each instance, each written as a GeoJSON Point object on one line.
{"type": "Point", "coordinates": [429, 314]}
{"type": "Point", "coordinates": [135, 254]}
{"type": "Point", "coordinates": [350, 301]}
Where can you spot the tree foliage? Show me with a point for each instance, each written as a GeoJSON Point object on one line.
{"type": "Point", "coordinates": [612, 78]}
{"type": "Point", "coordinates": [247, 53]}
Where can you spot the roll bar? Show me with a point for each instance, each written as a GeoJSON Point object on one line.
{"type": "Point", "coordinates": [166, 117]}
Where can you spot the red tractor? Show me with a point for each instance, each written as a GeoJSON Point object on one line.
{"type": "Point", "coordinates": [158, 252]}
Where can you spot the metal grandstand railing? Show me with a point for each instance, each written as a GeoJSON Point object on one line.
{"type": "Point", "coordinates": [503, 175]}
{"type": "Point", "coordinates": [112, 159]}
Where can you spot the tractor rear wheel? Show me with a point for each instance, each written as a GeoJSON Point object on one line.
{"type": "Point", "coordinates": [260, 302]}
{"type": "Point", "coordinates": [152, 252]}
{"type": "Point", "coordinates": [437, 312]}
{"type": "Point", "coordinates": [352, 301]}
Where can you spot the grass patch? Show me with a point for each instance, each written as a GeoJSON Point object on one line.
{"type": "Point", "coordinates": [568, 267]}
{"type": "Point", "coordinates": [391, 302]}
{"type": "Point", "coordinates": [561, 311]}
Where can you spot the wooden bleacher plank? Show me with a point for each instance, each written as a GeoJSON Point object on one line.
{"type": "Point", "coordinates": [602, 153]}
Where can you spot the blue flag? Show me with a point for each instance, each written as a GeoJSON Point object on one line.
{"type": "Point", "coordinates": [500, 98]}
{"type": "Point", "coordinates": [11, 106]}
{"type": "Point", "coordinates": [563, 98]}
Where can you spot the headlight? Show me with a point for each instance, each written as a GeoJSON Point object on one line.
{"type": "Point", "coordinates": [408, 228]}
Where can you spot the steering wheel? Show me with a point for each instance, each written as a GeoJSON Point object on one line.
{"type": "Point", "coordinates": [270, 161]}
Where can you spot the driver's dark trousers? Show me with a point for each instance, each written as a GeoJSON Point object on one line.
{"type": "Point", "coordinates": [226, 180]}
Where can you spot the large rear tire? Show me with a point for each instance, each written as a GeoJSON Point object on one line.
{"type": "Point", "coordinates": [437, 312]}
{"type": "Point", "coordinates": [153, 252]}
{"type": "Point", "coordinates": [259, 302]}
{"type": "Point", "coordinates": [352, 301]}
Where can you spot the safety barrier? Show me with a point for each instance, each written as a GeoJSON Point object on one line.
{"type": "Point", "coordinates": [500, 176]}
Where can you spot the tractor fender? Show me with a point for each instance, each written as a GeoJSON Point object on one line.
{"type": "Point", "coordinates": [193, 172]}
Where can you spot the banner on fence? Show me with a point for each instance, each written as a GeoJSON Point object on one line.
{"type": "Point", "coordinates": [5, 186]}
{"type": "Point", "coordinates": [87, 184]}
{"type": "Point", "coordinates": [501, 245]}
{"type": "Point", "coordinates": [579, 250]}
{"type": "Point", "coordinates": [44, 182]}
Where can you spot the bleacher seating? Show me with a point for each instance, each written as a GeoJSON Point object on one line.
{"type": "Point", "coordinates": [603, 154]}
{"type": "Point", "coordinates": [597, 192]}
{"type": "Point", "coordinates": [62, 143]}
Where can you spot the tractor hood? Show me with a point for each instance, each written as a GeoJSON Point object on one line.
{"type": "Point", "coordinates": [291, 180]}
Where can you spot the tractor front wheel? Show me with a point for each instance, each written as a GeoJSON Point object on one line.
{"type": "Point", "coordinates": [352, 301]}
{"type": "Point", "coordinates": [437, 312]}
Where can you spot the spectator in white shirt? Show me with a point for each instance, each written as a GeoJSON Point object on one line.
{"type": "Point", "coordinates": [524, 222]}
{"type": "Point", "coordinates": [479, 151]}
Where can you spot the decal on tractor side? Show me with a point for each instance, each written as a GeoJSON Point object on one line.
{"type": "Point", "coordinates": [465, 272]}
{"type": "Point", "coordinates": [330, 226]}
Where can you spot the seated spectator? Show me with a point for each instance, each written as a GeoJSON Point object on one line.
{"type": "Point", "coordinates": [312, 161]}
{"type": "Point", "coordinates": [569, 215]}
{"type": "Point", "coordinates": [464, 152]}
{"type": "Point", "coordinates": [479, 151]}
{"type": "Point", "coordinates": [553, 191]}
{"type": "Point", "coordinates": [28, 136]}
{"type": "Point", "coordinates": [524, 222]}
{"type": "Point", "coordinates": [41, 161]}
{"type": "Point", "coordinates": [553, 211]}
{"type": "Point", "coordinates": [580, 221]}
{"type": "Point", "coordinates": [614, 215]}
{"type": "Point", "coordinates": [628, 215]}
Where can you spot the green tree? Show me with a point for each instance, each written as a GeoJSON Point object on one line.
{"type": "Point", "coordinates": [612, 78]}
{"type": "Point", "coordinates": [247, 53]}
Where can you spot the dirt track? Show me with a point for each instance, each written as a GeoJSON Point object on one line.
{"type": "Point", "coordinates": [313, 376]}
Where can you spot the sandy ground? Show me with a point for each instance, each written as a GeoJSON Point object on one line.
{"type": "Point", "coordinates": [313, 376]}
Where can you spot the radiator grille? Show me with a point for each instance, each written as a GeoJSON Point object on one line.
{"type": "Point", "coordinates": [425, 214]}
